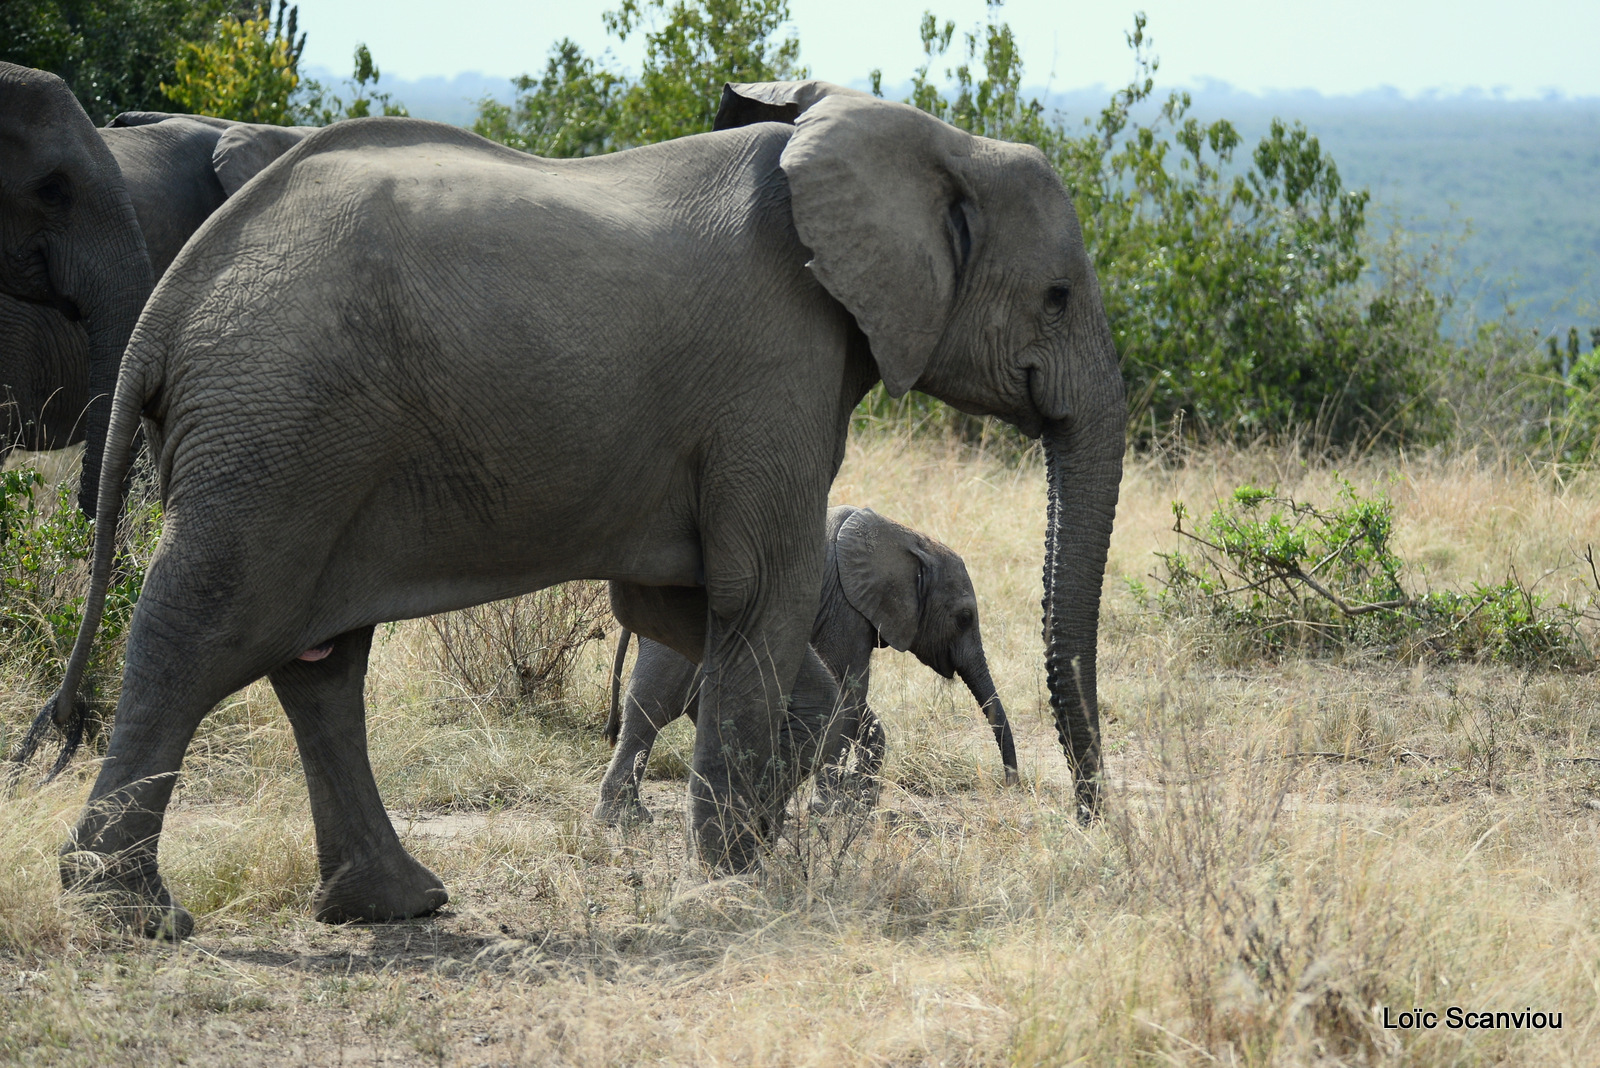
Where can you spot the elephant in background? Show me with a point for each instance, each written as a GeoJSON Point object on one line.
{"type": "Point", "coordinates": [637, 367]}
{"type": "Point", "coordinates": [90, 219]}
{"type": "Point", "coordinates": [883, 585]}
{"type": "Point", "coordinates": [44, 377]}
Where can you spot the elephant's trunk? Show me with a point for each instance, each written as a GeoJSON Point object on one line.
{"type": "Point", "coordinates": [983, 691]}
{"type": "Point", "coordinates": [1083, 458]}
{"type": "Point", "coordinates": [110, 290]}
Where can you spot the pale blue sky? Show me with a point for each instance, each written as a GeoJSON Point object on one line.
{"type": "Point", "coordinates": [1526, 48]}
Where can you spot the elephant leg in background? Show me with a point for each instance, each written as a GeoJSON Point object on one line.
{"type": "Point", "coordinates": [661, 689]}
{"type": "Point", "coordinates": [860, 785]}
{"type": "Point", "coordinates": [366, 873]}
{"type": "Point", "coordinates": [838, 786]}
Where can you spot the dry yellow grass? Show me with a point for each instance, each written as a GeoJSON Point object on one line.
{"type": "Point", "coordinates": [1242, 903]}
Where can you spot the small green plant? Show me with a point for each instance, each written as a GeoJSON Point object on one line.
{"type": "Point", "coordinates": [1287, 575]}
{"type": "Point", "coordinates": [45, 548]}
{"type": "Point", "coordinates": [1573, 432]}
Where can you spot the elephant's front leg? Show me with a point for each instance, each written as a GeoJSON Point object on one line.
{"type": "Point", "coordinates": [366, 873]}
{"type": "Point", "coordinates": [754, 742]}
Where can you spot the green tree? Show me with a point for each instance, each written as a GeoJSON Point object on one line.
{"type": "Point", "coordinates": [581, 108]}
{"type": "Point", "coordinates": [317, 105]}
{"type": "Point", "coordinates": [248, 71]}
{"type": "Point", "coordinates": [113, 53]}
{"type": "Point", "coordinates": [568, 113]}
{"type": "Point", "coordinates": [1234, 290]}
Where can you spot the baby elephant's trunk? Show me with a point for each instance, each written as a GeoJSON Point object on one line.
{"type": "Point", "coordinates": [983, 691]}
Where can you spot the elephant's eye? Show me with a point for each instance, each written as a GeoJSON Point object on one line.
{"type": "Point", "coordinates": [1055, 300]}
{"type": "Point", "coordinates": [53, 191]}
{"type": "Point", "coordinates": [965, 618]}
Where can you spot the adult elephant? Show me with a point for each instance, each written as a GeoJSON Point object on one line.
{"type": "Point", "coordinates": [884, 585]}
{"type": "Point", "coordinates": [407, 370]}
{"type": "Point", "coordinates": [89, 219]}
{"type": "Point", "coordinates": [44, 377]}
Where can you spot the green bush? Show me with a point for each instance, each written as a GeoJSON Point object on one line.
{"type": "Point", "coordinates": [45, 550]}
{"type": "Point", "coordinates": [1573, 433]}
{"type": "Point", "coordinates": [1236, 293]}
{"type": "Point", "coordinates": [1285, 576]}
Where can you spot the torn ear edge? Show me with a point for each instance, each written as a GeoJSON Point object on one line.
{"type": "Point", "coordinates": [747, 103]}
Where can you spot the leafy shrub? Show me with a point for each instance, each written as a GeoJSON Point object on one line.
{"type": "Point", "coordinates": [247, 71]}
{"type": "Point", "coordinates": [45, 550]}
{"type": "Point", "coordinates": [317, 105]}
{"type": "Point", "coordinates": [1285, 575]}
{"type": "Point", "coordinates": [1574, 433]}
{"type": "Point", "coordinates": [521, 649]}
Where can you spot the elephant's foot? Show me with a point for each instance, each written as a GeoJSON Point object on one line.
{"type": "Point", "coordinates": [392, 887]}
{"type": "Point", "coordinates": [131, 892]}
{"type": "Point", "coordinates": [621, 812]}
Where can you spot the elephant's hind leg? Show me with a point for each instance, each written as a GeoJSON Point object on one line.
{"type": "Point", "coordinates": [174, 676]}
{"type": "Point", "coordinates": [662, 688]}
{"type": "Point", "coordinates": [366, 873]}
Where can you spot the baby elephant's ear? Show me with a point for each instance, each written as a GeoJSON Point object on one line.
{"type": "Point", "coordinates": [879, 570]}
{"type": "Point", "coordinates": [746, 103]}
{"type": "Point", "coordinates": [246, 149]}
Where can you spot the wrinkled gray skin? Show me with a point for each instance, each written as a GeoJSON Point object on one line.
{"type": "Point", "coordinates": [69, 238]}
{"type": "Point", "coordinates": [44, 377]}
{"type": "Point", "coordinates": [75, 265]}
{"type": "Point", "coordinates": [883, 585]}
{"type": "Point", "coordinates": [406, 370]}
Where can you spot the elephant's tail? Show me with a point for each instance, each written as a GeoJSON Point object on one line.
{"type": "Point", "coordinates": [67, 711]}
{"type": "Point", "coordinates": [614, 720]}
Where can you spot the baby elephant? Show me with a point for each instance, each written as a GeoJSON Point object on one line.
{"type": "Point", "coordinates": [882, 585]}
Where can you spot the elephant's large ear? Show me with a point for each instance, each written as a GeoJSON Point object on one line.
{"type": "Point", "coordinates": [880, 570]}
{"type": "Point", "coordinates": [245, 149]}
{"type": "Point", "coordinates": [877, 196]}
{"type": "Point", "coordinates": [745, 103]}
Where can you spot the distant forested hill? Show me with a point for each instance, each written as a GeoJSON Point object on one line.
{"type": "Point", "coordinates": [1524, 174]}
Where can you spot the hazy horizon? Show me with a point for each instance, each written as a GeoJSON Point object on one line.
{"type": "Point", "coordinates": [1418, 49]}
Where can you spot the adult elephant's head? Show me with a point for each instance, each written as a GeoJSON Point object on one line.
{"type": "Point", "coordinates": [962, 262]}
{"type": "Point", "coordinates": [69, 238]}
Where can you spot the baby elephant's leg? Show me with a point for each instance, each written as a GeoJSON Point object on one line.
{"type": "Point", "coordinates": [661, 689]}
{"type": "Point", "coordinates": [838, 783]}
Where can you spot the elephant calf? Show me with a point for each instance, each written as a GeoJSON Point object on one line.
{"type": "Point", "coordinates": [883, 584]}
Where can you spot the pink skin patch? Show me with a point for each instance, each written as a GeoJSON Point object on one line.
{"type": "Point", "coordinates": [319, 653]}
